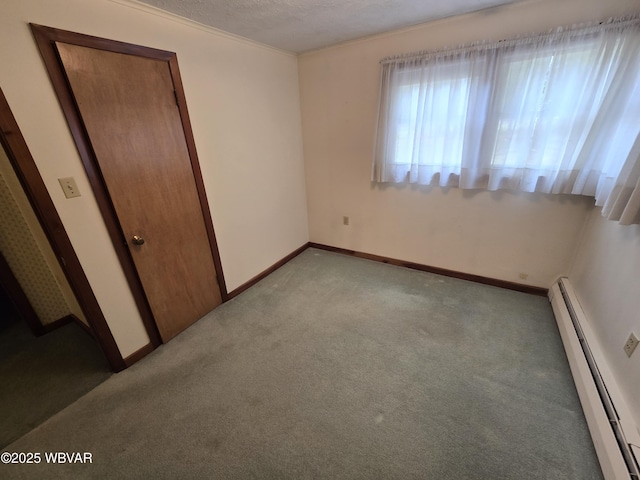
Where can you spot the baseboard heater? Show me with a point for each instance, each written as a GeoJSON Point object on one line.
{"type": "Point", "coordinates": [613, 430]}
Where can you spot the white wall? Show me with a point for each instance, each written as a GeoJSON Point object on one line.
{"type": "Point", "coordinates": [499, 235]}
{"type": "Point", "coordinates": [606, 277]}
{"type": "Point", "coordinates": [244, 106]}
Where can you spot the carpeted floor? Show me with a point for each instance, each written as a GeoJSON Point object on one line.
{"type": "Point", "coordinates": [335, 367]}
{"type": "Point", "coordinates": [42, 375]}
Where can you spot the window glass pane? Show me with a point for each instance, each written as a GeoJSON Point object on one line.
{"type": "Point", "coordinates": [431, 118]}
{"type": "Point", "coordinates": [542, 107]}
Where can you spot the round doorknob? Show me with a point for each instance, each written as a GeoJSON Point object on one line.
{"type": "Point", "coordinates": [137, 240]}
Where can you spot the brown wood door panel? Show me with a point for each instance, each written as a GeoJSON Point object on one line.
{"type": "Point", "coordinates": [128, 107]}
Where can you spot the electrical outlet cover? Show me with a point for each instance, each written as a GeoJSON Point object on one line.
{"type": "Point", "coordinates": [631, 344]}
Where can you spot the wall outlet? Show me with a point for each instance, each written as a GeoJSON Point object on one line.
{"type": "Point", "coordinates": [345, 220]}
{"type": "Point", "coordinates": [631, 344]}
{"type": "Point", "coordinates": [69, 187]}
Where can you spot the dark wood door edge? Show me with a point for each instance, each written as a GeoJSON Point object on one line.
{"type": "Point", "coordinates": [139, 354]}
{"type": "Point", "coordinates": [539, 291]}
{"type": "Point", "coordinates": [17, 296]}
{"type": "Point", "coordinates": [197, 173]}
{"type": "Point", "coordinates": [22, 162]}
{"type": "Point", "coordinates": [266, 272]}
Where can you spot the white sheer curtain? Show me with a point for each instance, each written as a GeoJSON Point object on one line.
{"type": "Point", "coordinates": [556, 113]}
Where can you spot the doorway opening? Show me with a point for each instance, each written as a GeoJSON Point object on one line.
{"type": "Point", "coordinates": [21, 161]}
{"type": "Point", "coordinates": [49, 357]}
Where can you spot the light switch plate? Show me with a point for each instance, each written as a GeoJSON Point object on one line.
{"type": "Point", "coordinates": [69, 187]}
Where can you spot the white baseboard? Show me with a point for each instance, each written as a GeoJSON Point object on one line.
{"type": "Point", "coordinates": [608, 449]}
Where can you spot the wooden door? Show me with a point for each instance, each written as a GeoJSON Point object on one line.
{"type": "Point", "coordinates": [128, 106]}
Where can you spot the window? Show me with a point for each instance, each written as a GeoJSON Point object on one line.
{"type": "Point", "coordinates": [552, 113]}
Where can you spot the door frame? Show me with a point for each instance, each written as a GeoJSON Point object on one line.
{"type": "Point", "coordinates": [34, 188]}
{"type": "Point", "coordinates": [45, 38]}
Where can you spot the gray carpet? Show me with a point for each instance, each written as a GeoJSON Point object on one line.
{"type": "Point", "coordinates": [338, 368]}
{"type": "Point", "coordinates": [42, 375]}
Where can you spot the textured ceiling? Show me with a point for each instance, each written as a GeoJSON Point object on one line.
{"type": "Point", "coordinates": [302, 25]}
